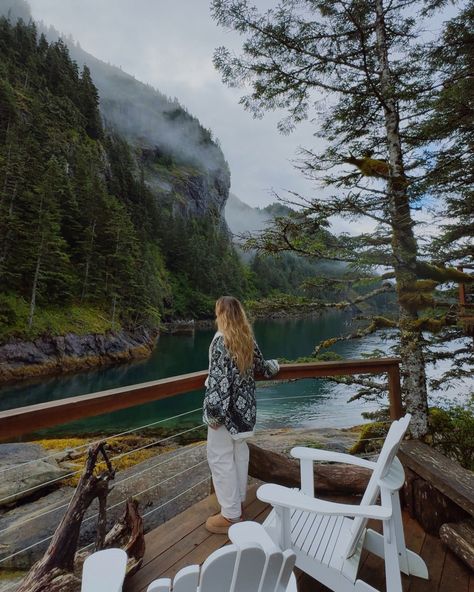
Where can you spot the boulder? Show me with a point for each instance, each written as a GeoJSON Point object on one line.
{"type": "Point", "coordinates": [24, 527]}
{"type": "Point", "coordinates": [24, 472]}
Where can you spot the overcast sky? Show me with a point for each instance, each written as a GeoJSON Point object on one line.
{"type": "Point", "coordinates": [169, 44]}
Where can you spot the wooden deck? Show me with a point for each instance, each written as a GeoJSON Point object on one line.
{"type": "Point", "coordinates": [183, 540]}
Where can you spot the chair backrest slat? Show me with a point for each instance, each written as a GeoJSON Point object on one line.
{"type": "Point", "coordinates": [289, 559]}
{"type": "Point", "coordinates": [187, 579]}
{"type": "Point", "coordinates": [104, 570]}
{"type": "Point", "coordinates": [249, 569]}
{"type": "Point", "coordinates": [272, 572]}
{"type": "Point", "coordinates": [217, 571]}
{"type": "Point", "coordinates": [387, 454]}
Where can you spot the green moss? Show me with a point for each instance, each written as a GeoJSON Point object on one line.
{"type": "Point", "coordinates": [371, 438]}
{"type": "Point", "coordinates": [11, 574]}
{"type": "Point", "coordinates": [313, 444]}
{"type": "Point", "coordinates": [75, 318]}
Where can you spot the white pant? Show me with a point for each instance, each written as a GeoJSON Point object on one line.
{"type": "Point", "coordinates": [229, 463]}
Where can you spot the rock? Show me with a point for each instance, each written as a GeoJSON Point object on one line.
{"type": "Point", "coordinates": [28, 524]}
{"type": "Point", "coordinates": [28, 477]}
{"type": "Point", "coordinates": [71, 352]}
{"type": "Point", "coordinates": [282, 440]}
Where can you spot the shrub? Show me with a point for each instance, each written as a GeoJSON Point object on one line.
{"type": "Point", "coordinates": [452, 432]}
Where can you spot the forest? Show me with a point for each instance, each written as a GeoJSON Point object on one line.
{"type": "Point", "coordinates": [85, 244]}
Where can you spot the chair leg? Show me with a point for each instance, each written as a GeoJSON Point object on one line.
{"type": "Point", "coordinates": [393, 575]}
{"type": "Point", "coordinates": [410, 562]}
{"type": "Point", "coordinates": [284, 526]}
{"type": "Point", "coordinates": [399, 534]}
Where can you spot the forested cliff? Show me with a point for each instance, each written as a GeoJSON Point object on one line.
{"type": "Point", "coordinates": [102, 225]}
{"type": "Point", "coordinates": [112, 204]}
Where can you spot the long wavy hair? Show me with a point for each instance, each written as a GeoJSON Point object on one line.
{"type": "Point", "coordinates": [232, 322]}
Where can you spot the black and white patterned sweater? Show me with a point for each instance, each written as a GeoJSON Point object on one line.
{"type": "Point", "coordinates": [230, 395]}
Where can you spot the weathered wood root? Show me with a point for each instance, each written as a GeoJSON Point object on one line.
{"type": "Point", "coordinates": [59, 569]}
{"type": "Point", "coordinates": [128, 534]}
{"type": "Point", "coordinates": [333, 478]}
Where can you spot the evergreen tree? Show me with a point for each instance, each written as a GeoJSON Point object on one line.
{"type": "Point", "coordinates": [360, 54]}
{"type": "Point", "coordinates": [78, 222]}
{"type": "Point", "coordinates": [89, 104]}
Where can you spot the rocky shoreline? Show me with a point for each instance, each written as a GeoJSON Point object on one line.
{"type": "Point", "coordinates": [52, 355]}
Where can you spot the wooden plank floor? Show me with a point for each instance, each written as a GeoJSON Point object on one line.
{"type": "Point", "coordinates": [183, 540]}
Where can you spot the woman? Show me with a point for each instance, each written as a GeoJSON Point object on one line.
{"type": "Point", "coordinates": [230, 408]}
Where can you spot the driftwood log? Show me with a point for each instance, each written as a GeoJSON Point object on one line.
{"type": "Point", "coordinates": [330, 479]}
{"type": "Point", "coordinates": [57, 570]}
{"type": "Point", "coordinates": [459, 537]}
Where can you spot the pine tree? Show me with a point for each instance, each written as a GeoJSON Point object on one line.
{"type": "Point", "coordinates": [359, 55]}
{"type": "Point", "coordinates": [88, 103]}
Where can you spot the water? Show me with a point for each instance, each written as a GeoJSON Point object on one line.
{"type": "Point", "coordinates": [304, 403]}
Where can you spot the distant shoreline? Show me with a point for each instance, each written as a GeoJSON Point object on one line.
{"type": "Point", "coordinates": [66, 354]}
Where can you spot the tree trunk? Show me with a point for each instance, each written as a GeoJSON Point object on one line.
{"type": "Point", "coordinates": [60, 554]}
{"type": "Point", "coordinates": [460, 539]}
{"type": "Point", "coordinates": [404, 245]}
{"type": "Point", "coordinates": [88, 262]}
{"type": "Point", "coordinates": [331, 478]}
{"type": "Point", "coordinates": [35, 283]}
{"type": "Point", "coordinates": [7, 227]}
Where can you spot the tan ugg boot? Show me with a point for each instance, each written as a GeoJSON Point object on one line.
{"type": "Point", "coordinates": [219, 524]}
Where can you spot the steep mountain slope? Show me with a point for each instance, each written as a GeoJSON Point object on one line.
{"type": "Point", "coordinates": [182, 163]}
{"type": "Point", "coordinates": [103, 216]}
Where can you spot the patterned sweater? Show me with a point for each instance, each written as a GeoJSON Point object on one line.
{"type": "Point", "coordinates": [230, 395]}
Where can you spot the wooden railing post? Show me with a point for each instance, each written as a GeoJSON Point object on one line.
{"type": "Point", "coordinates": [395, 392]}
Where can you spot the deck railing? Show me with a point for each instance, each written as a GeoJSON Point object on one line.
{"type": "Point", "coordinates": [161, 483]}
{"type": "Point", "coordinates": [26, 420]}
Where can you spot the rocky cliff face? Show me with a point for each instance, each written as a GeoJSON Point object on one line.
{"type": "Point", "coordinates": [70, 353]}
{"type": "Point", "coordinates": [184, 165]}
{"type": "Point", "coordinates": [188, 190]}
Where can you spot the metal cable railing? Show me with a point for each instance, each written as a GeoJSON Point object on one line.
{"type": "Point", "coordinates": [90, 518]}
{"type": "Point", "coordinates": [117, 457]}
{"type": "Point", "coordinates": [55, 454]}
{"type": "Point", "coordinates": [65, 505]}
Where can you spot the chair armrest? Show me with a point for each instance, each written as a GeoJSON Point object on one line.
{"type": "Point", "coordinates": [277, 495]}
{"type": "Point", "coordinates": [329, 456]}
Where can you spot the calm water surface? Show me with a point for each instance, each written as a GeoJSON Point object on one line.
{"type": "Point", "coordinates": [304, 403]}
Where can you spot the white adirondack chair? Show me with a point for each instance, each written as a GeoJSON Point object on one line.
{"type": "Point", "coordinates": [328, 537]}
{"type": "Point", "coordinates": [104, 571]}
{"type": "Point", "coordinates": [252, 563]}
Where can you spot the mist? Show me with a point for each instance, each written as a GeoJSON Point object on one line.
{"type": "Point", "coordinates": [145, 116]}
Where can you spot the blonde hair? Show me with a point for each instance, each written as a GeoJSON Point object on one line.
{"type": "Point", "coordinates": [232, 322]}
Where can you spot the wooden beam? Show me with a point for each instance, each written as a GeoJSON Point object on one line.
{"type": "Point", "coordinates": [446, 475]}
{"type": "Point", "coordinates": [329, 478]}
{"type": "Point", "coordinates": [395, 392]}
{"type": "Point", "coordinates": [25, 420]}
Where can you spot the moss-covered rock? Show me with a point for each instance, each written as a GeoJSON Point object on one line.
{"type": "Point", "coordinates": [371, 437]}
